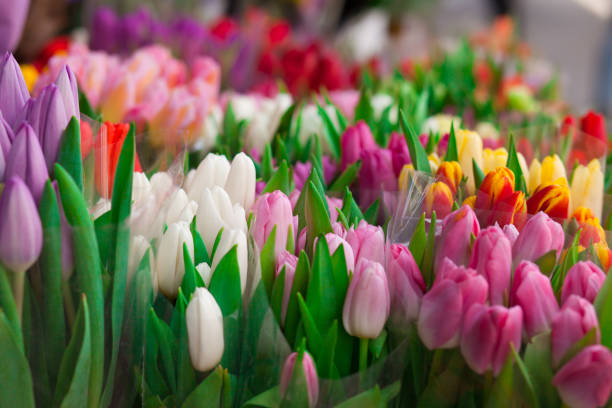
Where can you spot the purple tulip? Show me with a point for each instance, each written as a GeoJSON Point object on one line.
{"type": "Point", "coordinates": [135, 29]}
{"type": "Point", "coordinates": [583, 279]}
{"type": "Point", "coordinates": [288, 262]}
{"type": "Point", "coordinates": [400, 155]}
{"type": "Point", "coordinates": [586, 380]}
{"type": "Point", "coordinates": [310, 373]}
{"type": "Point", "coordinates": [104, 30]}
{"type": "Point", "coordinates": [488, 333]}
{"type": "Point", "coordinates": [376, 175]}
{"type": "Point", "coordinates": [492, 258]}
{"type": "Point", "coordinates": [367, 241]}
{"type": "Point", "coordinates": [455, 238]}
{"type": "Point", "coordinates": [13, 19]}
{"type": "Point", "coordinates": [531, 290]}
{"type": "Point", "coordinates": [443, 308]}
{"type": "Point", "coordinates": [273, 210]}
{"type": "Point", "coordinates": [406, 285]}
{"type": "Point", "coordinates": [367, 303]}
{"type": "Point", "coordinates": [67, 84]}
{"type": "Point", "coordinates": [301, 171]}
{"type": "Point", "coordinates": [540, 235]}
{"type": "Point", "coordinates": [6, 135]}
{"type": "Point", "coordinates": [12, 85]}
{"type": "Point", "coordinates": [20, 227]}
{"type": "Point", "coordinates": [329, 168]}
{"type": "Point", "coordinates": [26, 161]}
{"type": "Point", "coordinates": [355, 140]}
{"type": "Point", "coordinates": [333, 243]}
{"type": "Point", "coordinates": [576, 318]}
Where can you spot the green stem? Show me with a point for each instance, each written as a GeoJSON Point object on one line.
{"type": "Point", "coordinates": [363, 355]}
{"type": "Point", "coordinates": [18, 282]}
{"type": "Point", "coordinates": [68, 304]}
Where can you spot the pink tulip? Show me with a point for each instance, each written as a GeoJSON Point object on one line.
{"type": "Point", "coordinates": [333, 204]}
{"type": "Point", "coordinates": [455, 238]}
{"type": "Point", "coordinates": [399, 152]}
{"type": "Point", "coordinates": [454, 291]}
{"type": "Point", "coordinates": [576, 318]}
{"type": "Point", "coordinates": [540, 235]}
{"type": "Point", "coordinates": [288, 262]}
{"type": "Point", "coordinates": [345, 100]}
{"type": "Point", "coordinates": [488, 333]}
{"type": "Point", "coordinates": [586, 380]}
{"type": "Point", "coordinates": [367, 303]}
{"type": "Point", "coordinates": [272, 210]}
{"type": "Point", "coordinates": [511, 233]}
{"type": "Point", "coordinates": [531, 290]}
{"type": "Point", "coordinates": [367, 241]}
{"type": "Point", "coordinates": [492, 258]}
{"type": "Point", "coordinates": [310, 373]}
{"type": "Point", "coordinates": [406, 285]}
{"type": "Point", "coordinates": [583, 279]}
{"type": "Point", "coordinates": [333, 242]}
{"type": "Point", "coordinates": [376, 175]}
{"type": "Point", "coordinates": [354, 140]}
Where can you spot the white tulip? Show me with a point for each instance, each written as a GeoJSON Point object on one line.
{"type": "Point", "coordinates": [100, 208]}
{"type": "Point", "coordinates": [162, 185]}
{"type": "Point", "coordinates": [215, 211]}
{"type": "Point", "coordinates": [229, 238]}
{"type": "Point", "coordinates": [170, 266]}
{"type": "Point", "coordinates": [139, 246]}
{"type": "Point", "coordinates": [205, 272]}
{"type": "Point", "coordinates": [179, 207]}
{"type": "Point", "coordinates": [380, 102]}
{"type": "Point", "coordinates": [204, 330]}
{"type": "Point", "coordinates": [243, 106]}
{"type": "Point", "coordinates": [240, 184]}
{"type": "Point", "coordinates": [141, 188]}
{"type": "Point", "coordinates": [262, 126]}
{"type": "Point", "coordinates": [212, 171]}
{"type": "Point", "coordinates": [312, 124]}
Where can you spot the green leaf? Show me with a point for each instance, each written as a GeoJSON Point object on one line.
{"type": "Point", "coordinates": [208, 392]}
{"type": "Point", "coordinates": [547, 262]}
{"type": "Point", "coordinates": [200, 253]}
{"type": "Point", "coordinates": [418, 241]}
{"type": "Point", "coordinates": [167, 347]}
{"type": "Point", "coordinates": [317, 215]}
{"type": "Point", "coordinates": [284, 126]}
{"type": "Point", "coordinates": [514, 165]}
{"type": "Point", "coordinates": [276, 298]}
{"type": "Point", "coordinates": [225, 282]}
{"type": "Point", "coordinates": [364, 110]}
{"type": "Point", "coordinates": [529, 393]}
{"type": "Point", "coordinates": [268, 399]}
{"type": "Point", "coordinates": [185, 374]}
{"type": "Point", "coordinates": [371, 398]}
{"type": "Point", "coordinates": [85, 106]}
{"type": "Point", "coordinates": [371, 213]}
{"type": "Point", "coordinates": [268, 263]}
{"type": "Point", "coordinates": [72, 385]}
{"type": "Point", "coordinates": [417, 153]}
{"type": "Point", "coordinates": [376, 345]}
{"type": "Point", "coordinates": [428, 256]}
{"type": "Point", "coordinates": [8, 308]}
{"type": "Point", "coordinates": [189, 282]}
{"type": "Point", "coordinates": [330, 132]}
{"type": "Point", "coordinates": [538, 360]}
{"type": "Point", "coordinates": [571, 257]}
{"type": "Point", "coordinates": [69, 154]}
{"type": "Point", "coordinates": [300, 283]}
{"type": "Point", "coordinates": [266, 163]}
{"type": "Point", "coordinates": [478, 174]}
{"type": "Point", "coordinates": [15, 374]}
{"type": "Point", "coordinates": [345, 179]}
{"type": "Point", "coordinates": [451, 150]}
{"type": "Point", "coordinates": [350, 209]}
{"type": "Point", "coordinates": [325, 360]}
{"type": "Point", "coordinates": [315, 340]}
{"type": "Point", "coordinates": [280, 180]}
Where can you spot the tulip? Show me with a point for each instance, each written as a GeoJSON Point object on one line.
{"type": "Point", "coordinates": [492, 159]}
{"type": "Point", "coordinates": [12, 87]}
{"type": "Point", "coordinates": [355, 140]}
{"type": "Point", "coordinates": [551, 169]}
{"type": "Point", "coordinates": [212, 171]}
{"type": "Point", "coordinates": [496, 186]}
{"type": "Point", "coordinates": [587, 187]}
{"type": "Point", "coordinates": [215, 211]}
{"type": "Point", "coordinates": [438, 198]}
{"type": "Point", "coordinates": [583, 279]}
{"type": "Point", "coordinates": [586, 380]}
{"type": "Point", "coordinates": [594, 125]}
{"type": "Point", "coordinates": [443, 308]}
{"type": "Point", "coordinates": [170, 265]}
{"type": "Point", "coordinates": [492, 258]}
{"type": "Point", "coordinates": [539, 235]}
{"type": "Point", "coordinates": [26, 161]}
{"type": "Point", "coordinates": [204, 330]}
{"type": "Point", "coordinates": [367, 241]}
{"type": "Point", "coordinates": [400, 155]}
{"type": "Point", "coordinates": [367, 302]}
{"type": "Point", "coordinates": [273, 210]}
{"type": "Point", "coordinates": [583, 214]}
{"type": "Point", "coordinates": [604, 254]}
{"type": "Point", "coordinates": [376, 175]}
{"type": "Point", "coordinates": [469, 146]}
{"type": "Point", "coordinates": [575, 319]}
{"type": "Point", "coordinates": [67, 85]}
{"type": "Point", "coordinates": [591, 232]}
{"type": "Point", "coordinates": [510, 210]}
{"type": "Point", "coordinates": [334, 241]}
{"type": "Point", "coordinates": [229, 239]}
{"type": "Point", "coordinates": [178, 207]}
{"type": "Point", "coordinates": [287, 262]}
{"type": "Point", "coordinates": [434, 162]}
{"type": "Point", "coordinates": [310, 374]}
{"type": "Point", "coordinates": [13, 20]}
{"type": "Point", "coordinates": [141, 188]}
{"type": "Point", "coordinates": [6, 136]}
{"type": "Point", "coordinates": [451, 174]}
{"type": "Point", "coordinates": [455, 237]}
{"type": "Point", "coordinates": [531, 290]}
{"type": "Point", "coordinates": [552, 198]}
{"type": "Point", "coordinates": [261, 127]}
{"type": "Point", "coordinates": [139, 247]}
{"type": "Point", "coordinates": [511, 233]}
{"type": "Point", "coordinates": [441, 123]}
{"type": "Point", "coordinates": [406, 285]}
{"type": "Point", "coordinates": [240, 183]}
{"type": "Point", "coordinates": [488, 334]}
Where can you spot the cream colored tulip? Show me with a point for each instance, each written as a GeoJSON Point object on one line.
{"type": "Point", "coordinates": [204, 330]}
{"type": "Point", "coordinates": [139, 246]}
{"type": "Point", "coordinates": [492, 159]}
{"type": "Point", "coordinates": [549, 170]}
{"type": "Point", "coordinates": [441, 123]}
{"type": "Point", "coordinates": [170, 265]}
{"type": "Point", "coordinates": [212, 171]}
{"type": "Point", "coordinates": [240, 184]}
{"type": "Point", "coordinates": [434, 162]}
{"type": "Point", "coordinates": [469, 146]}
{"type": "Point", "coordinates": [587, 187]}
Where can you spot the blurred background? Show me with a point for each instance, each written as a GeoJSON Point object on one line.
{"type": "Point", "coordinates": [568, 38]}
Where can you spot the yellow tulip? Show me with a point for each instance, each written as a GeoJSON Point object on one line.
{"type": "Point", "coordinates": [549, 170]}
{"type": "Point", "coordinates": [493, 159]}
{"type": "Point", "coordinates": [469, 146]}
{"type": "Point", "coordinates": [587, 187]}
{"type": "Point", "coordinates": [434, 162]}
{"type": "Point", "coordinates": [441, 124]}
{"type": "Point", "coordinates": [404, 177]}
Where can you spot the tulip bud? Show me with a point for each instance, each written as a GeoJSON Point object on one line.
{"type": "Point", "coordinates": [604, 254]}
{"type": "Point", "coordinates": [67, 84]}
{"type": "Point", "coordinates": [594, 125]}
{"type": "Point", "coordinates": [443, 308]}
{"type": "Point", "coordinates": [497, 185]}
{"type": "Point", "coordinates": [539, 235]}
{"type": "Point", "coordinates": [310, 374]}
{"type": "Point", "coordinates": [586, 380]}
{"type": "Point", "coordinates": [550, 170]}
{"type": "Point", "coordinates": [587, 187]}
{"type": "Point", "coordinates": [469, 146]}
{"type": "Point", "coordinates": [367, 302]}
{"type": "Point", "coordinates": [451, 174]}
{"type": "Point", "coordinates": [438, 198]}
{"type": "Point", "coordinates": [405, 176]}
{"type": "Point", "coordinates": [240, 184]}
{"type": "Point", "coordinates": [455, 237]}
{"type": "Point", "coordinates": [434, 162]}
{"type": "Point", "coordinates": [488, 333]}
{"type": "Point", "coordinates": [406, 285]}
{"type": "Point", "coordinates": [273, 210]}
{"type": "Point", "coordinates": [170, 265]}
{"type": "Point", "coordinates": [492, 258]}
{"type": "Point", "coordinates": [12, 87]}
{"type": "Point", "coordinates": [354, 141]}
{"type": "Point", "coordinates": [367, 241]}
{"type": "Point", "coordinates": [287, 262]}
{"type": "Point", "coordinates": [178, 207]}
{"type": "Point", "coordinates": [139, 246]}
{"type": "Point", "coordinates": [204, 330]}
{"type": "Point", "coordinates": [21, 234]}
{"type": "Point", "coordinates": [575, 319]}
{"type": "Point", "coordinates": [6, 135]}
{"type": "Point", "coordinates": [511, 233]}
{"type": "Point", "coordinates": [26, 161]}
{"type": "Point", "coordinates": [212, 171]}
{"type": "Point", "coordinates": [552, 198]}
{"type": "Point", "coordinates": [510, 210]}
{"type": "Point", "coordinates": [333, 243]}
{"type": "Point", "coordinates": [583, 279]}
{"type": "Point", "coordinates": [400, 155]}
{"type": "Point", "coordinates": [492, 159]}
{"type": "Point", "coordinates": [230, 238]}
{"type": "Point", "coordinates": [441, 123]}
{"type": "Point", "coordinates": [141, 188]}
{"type": "Point", "coordinates": [531, 290]}
{"type": "Point", "coordinates": [13, 20]}
{"type": "Point", "coordinates": [376, 175]}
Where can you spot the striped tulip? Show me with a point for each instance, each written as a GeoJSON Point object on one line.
{"type": "Point", "coordinates": [438, 198]}
{"type": "Point", "coordinates": [551, 198]}
{"type": "Point", "coordinates": [451, 174]}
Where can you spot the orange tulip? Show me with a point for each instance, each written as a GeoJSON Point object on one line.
{"type": "Point", "coordinates": [582, 214]}
{"type": "Point", "coordinates": [451, 174]}
{"type": "Point", "coordinates": [552, 198]}
{"type": "Point", "coordinates": [497, 185]}
{"type": "Point", "coordinates": [438, 198]}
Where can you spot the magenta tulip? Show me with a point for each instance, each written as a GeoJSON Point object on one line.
{"type": "Point", "coordinates": [287, 262]}
{"type": "Point", "coordinates": [492, 258]}
{"type": "Point", "coordinates": [333, 243]}
{"type": "Point", "coordinates": [12, 86]}
{"type": "Point", "coordinates": [355, 140]}
{"type": "Point", "coordinates": [367, 241]}
{"type": "Point", "coordinates": [443, 308]}
{"type": "Point", "coordinates": [376, 175]}
{"type": "Point", "coordinates": [540, 235]}
{"type": "Point", "coordinates": [366, 307]}
{"type": "Point", "coordinates": [576, 318]}
{"type": "Point", "coordinates": [583, 279]}
{"type": "Point", "coordinates": [273, 210]}
{"type": "Point", "coordinates": [586, 380]}
{"type": "Point", "coordinates": [488, 333]}
{"type": "Point", "coordinates": [455, 238]}
{"type": "Point", "coordinates": [531, 290]}
{"type": "Point", "coordinates": [310, 374]}
{"type": "Point", "coordinates": [400, 155]}
{"type": "Point", "coordinates": [406, 285]}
